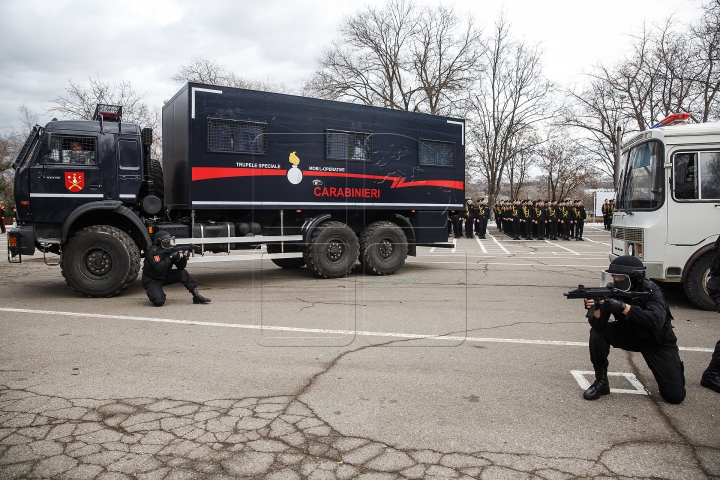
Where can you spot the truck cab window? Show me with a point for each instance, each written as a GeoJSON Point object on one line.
{"type": "Point", "coordinates": [685, 165]}
{"type": "Point", "coordinates": [710, 175]}
{"type": "Point", "coordinates": [129, 152]}
{"type": "Point", "coordinates": [71, 151]}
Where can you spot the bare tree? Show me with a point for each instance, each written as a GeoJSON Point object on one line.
{"type": "Point", "coordinates": [517, 173]}
{"type": "Point", "coordinates": [212, 72]}
{"type": "Point", "coordinates": [597, 111]}
{"type": "Point", "coordinates": [509, 99]}
{"type": "Point", "coordinates": [81, 99]}
{"type": "Point", "coordinates": [445, 57]}
{"type": "Point", "coordinates": [400, 56]}
{"type": "Point", "coordinates": [564, 166]}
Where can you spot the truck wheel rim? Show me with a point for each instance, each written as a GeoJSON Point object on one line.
{"type": "Point", "coordinates": [386, 248]}
{"type": "Point", "coordinates": [705, 278]}
{"type": "Point", "coordinates": [98, 263]}
{"type": "Point", "coordinates": [335, 250]}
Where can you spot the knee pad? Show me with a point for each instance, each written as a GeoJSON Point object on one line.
{"type": "Point", "coordinates": [675, 397]}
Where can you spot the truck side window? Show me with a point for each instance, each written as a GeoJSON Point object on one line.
{"type": "Point", "coordinates": [129, 152]}
{"type": "Point", "coordinates": [434, 153]}
{"type": "Point", "coordinates": [348, 146]}
{"type": "Point", "coordinates": [710, 175]}
{"type": "Point", "coordinates": [71, 151]}
{"type": "Point", "coordinates": [686, 176]}
{"type": "Point", "coordinates": [236, 136]}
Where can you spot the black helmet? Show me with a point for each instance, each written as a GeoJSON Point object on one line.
{"type": "Point", "coordinates": [630, 266]}
{"type": "Point", "coordinates": [163, 239]}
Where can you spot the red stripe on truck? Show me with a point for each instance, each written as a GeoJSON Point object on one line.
{"type": "Point", "coordinates": [210, 173]}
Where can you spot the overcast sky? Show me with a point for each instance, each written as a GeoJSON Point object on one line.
{"type": "Point", "coordinates": [45, 43]}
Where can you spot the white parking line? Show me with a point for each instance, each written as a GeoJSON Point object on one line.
{"type": "Point", "coordinates": [499, 245]}
{"type": "Point", "coordinates": [454, 245]}
{"type": "Point", "coordinates": [453, 338]}
{"type": "Point", "coordinates": [564, 248]}
{"type": "Point", "coordinates": [482, 247]}
{"type": "Point", "coordinates": [638, 390]}
{"type": "Point", "coordinates": [593, 241]}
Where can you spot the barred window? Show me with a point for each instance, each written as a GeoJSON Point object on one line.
{"type": "Point", "coordinates": [348, 146]}
{"type": "Point", "coordinates": [434, 153]}
{"type": "Point", "coordinates": [235, 136]}
{"type": "Point", "coordinates": [72, 151]}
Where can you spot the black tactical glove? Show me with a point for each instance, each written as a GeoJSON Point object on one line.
{"type": "Point", "coordinates": [176, 256]}
{"type": "Point", "coordinates": [613, 305]}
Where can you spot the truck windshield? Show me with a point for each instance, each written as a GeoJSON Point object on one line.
{"type": "Point", "coordinates": [641, 182]}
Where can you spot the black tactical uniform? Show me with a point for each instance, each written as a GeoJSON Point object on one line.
{"type": "Point", "coordinates": [711, 376]}
{"type": "Point", "coordinates": [158, 271]}
{"type": "Point", "coordinates": [642, 326]}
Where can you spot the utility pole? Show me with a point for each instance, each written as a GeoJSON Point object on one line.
{"type": "Point", "coordinates": [618, 141]}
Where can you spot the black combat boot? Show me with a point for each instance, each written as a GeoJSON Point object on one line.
{"type": "Point", "coordinates": [711, 377]}
{"type": "Point", "coordinates": [600, 386]}
{"type": "Point", "coordinates": [197, 298]}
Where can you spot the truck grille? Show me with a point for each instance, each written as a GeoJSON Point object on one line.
{"type": "Point", "coordinates": [629, 234]}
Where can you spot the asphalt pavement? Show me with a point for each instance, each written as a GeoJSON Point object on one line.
{"type": "Point", "coordinates": [467, 363]}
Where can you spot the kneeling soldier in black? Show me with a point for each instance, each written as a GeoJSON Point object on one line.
{"type": "Point", "coordinates": [158, 271]}
{"type": "Point", "coordinates": [643, 325]}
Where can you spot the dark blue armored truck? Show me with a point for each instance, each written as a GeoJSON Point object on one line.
{"type": "Point", "coordinates": [321, 183]}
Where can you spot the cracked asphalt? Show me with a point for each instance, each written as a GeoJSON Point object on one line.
{"type": "Point", "coordinates": [459, 366]}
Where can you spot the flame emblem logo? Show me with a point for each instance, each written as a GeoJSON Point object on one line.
{"type": "Point", "coordinates": [294, 175]}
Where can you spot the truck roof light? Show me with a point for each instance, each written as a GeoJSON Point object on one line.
{"type": "Point", "coordinates": [672, 119]}
{"type": "Point", "coordinates": [111, 113]}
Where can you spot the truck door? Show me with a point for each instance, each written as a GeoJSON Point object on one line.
{"type": "Point", "coordinates": [65, 178]}
{"type": "Point", "coordinates": [129, 177]}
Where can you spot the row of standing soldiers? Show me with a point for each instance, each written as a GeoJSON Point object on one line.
{"type": "Point", "coordinates": [540, 219]}
{"type": "Point", "coordinates": [474, 216]}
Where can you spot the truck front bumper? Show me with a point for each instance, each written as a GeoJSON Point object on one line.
{"type": "Point", "coordinates": [21, 241]}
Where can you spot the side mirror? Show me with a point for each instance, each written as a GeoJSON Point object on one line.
{"type": "Point", "coordinates": [46, 143]}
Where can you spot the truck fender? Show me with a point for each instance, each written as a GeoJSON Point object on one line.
{"type": "Point", "coordinates": [310, 225]}
{"type": "Point", "coordinates": [115, 205]}
{"type": "Point", "coordinates": [409, 230]}
{"type": "Point", "coordinates": [703, 250]}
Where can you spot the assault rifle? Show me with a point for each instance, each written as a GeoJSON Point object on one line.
{"type": "Point", "coordinates": [179, 248]}
{"type": "Point", "coordinates": [601, 293]}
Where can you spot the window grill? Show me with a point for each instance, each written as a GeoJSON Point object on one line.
{"type": "Point", "coordinates": [72, 150]}
{"type": "Point", "coordinates": [236, 136]}
{"type": "Point", "coordinates": [29, 146]}
{"type": "Point", "coordinates": [433, 153]}
{"type": "Point", "coordinates": [348, 146]}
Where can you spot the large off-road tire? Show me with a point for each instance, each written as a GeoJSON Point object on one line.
{"type": "Point", "coordinates": [332, 251]}
{"type": "Point", "coordinates": [383, 248]}
{"type": "Point", "coordinates": [696, 283]}
{"type": "Point", "coordinates": [287, 263]}
{"type": "Point", "coordinates": [100, 261]}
